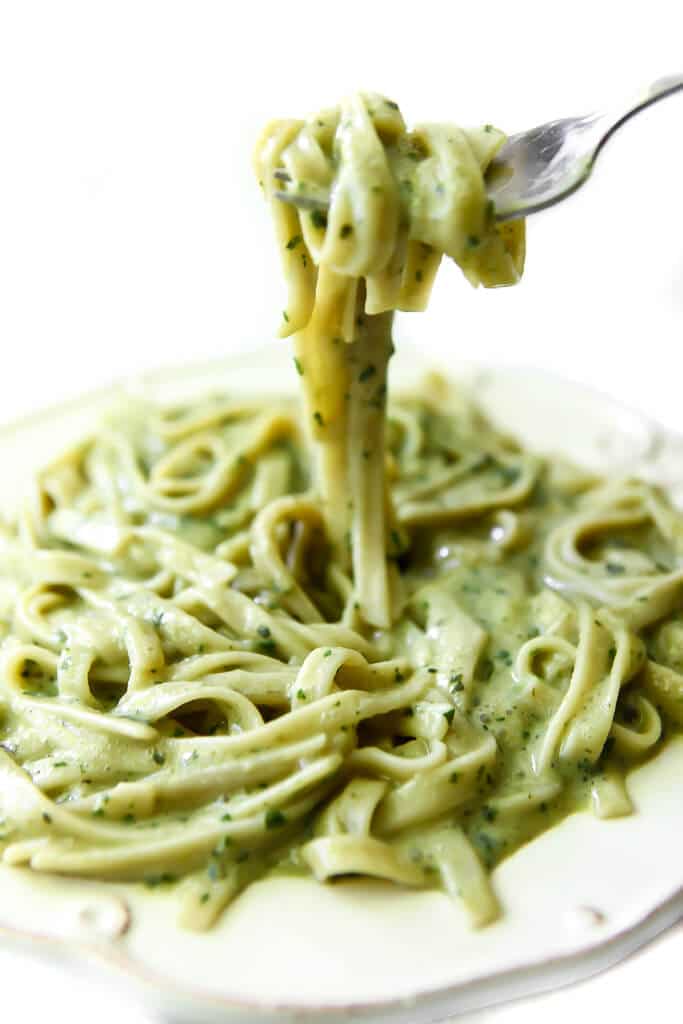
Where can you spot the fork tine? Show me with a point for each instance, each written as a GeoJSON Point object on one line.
{"type": "Point", "coordinates": [301, 201]}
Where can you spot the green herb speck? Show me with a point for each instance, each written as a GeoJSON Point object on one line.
{"type": "Point", "coordinates": [274, 818]}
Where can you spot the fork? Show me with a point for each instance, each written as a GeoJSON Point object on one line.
{"type": "Point", "coordinates": [540, 167]}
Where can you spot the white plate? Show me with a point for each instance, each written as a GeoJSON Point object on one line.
{"type": "Point", "coordinates": [577, 899]}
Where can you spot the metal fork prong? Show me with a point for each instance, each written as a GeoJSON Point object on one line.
{"type": "Point", "coordinates": [302, 202]}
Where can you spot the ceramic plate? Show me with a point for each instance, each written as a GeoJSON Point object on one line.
{"type": "Point", "coordinates": [575, 900]}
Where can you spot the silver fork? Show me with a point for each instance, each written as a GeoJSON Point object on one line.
{"type": "Point", "coordinates": [540, 167]}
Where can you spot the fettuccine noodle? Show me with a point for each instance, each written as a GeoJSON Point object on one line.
{"type": "Point", "coordinates": [347, 638]}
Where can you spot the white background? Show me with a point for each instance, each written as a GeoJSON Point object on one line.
{"type": "Point", "coordinates": [132, 234]}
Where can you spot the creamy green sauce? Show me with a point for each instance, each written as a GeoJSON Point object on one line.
{"type": "Point", "coordinates": [344, 637]}
{"type": "Point", "coordinates": [145, 646]}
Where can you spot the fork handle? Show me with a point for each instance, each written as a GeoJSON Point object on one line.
{"type": "Point", "coordinates": [664, 86]}
{"type": "Point", "coordinates": [661, 88]}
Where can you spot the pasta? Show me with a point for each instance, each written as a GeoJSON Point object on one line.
{"type": "Point", "coordinates": [242, 636]}
{"type": "Point", "coordinates": [398, 201]}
